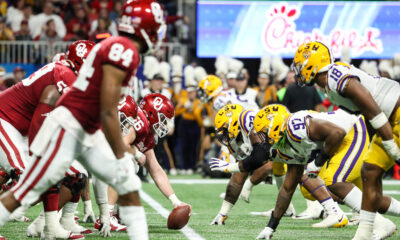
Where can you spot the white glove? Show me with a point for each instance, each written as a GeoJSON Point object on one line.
{"type": "Point", "coordinates": [392, 149]}
{"type": "Point", "coordinates": [88, 210]}
{"type": "Point", "coordinates": [223, 166]}
{"type": "Point", "coordinates": [312, 170]}
{"type": "Point", "coordinates": [219, 219]}
{"type": "Point", "coordinates": [266, 233]}
{"type": "Point", "coordinates": [105, 228]}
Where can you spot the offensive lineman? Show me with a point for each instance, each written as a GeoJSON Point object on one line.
{"type": "Point", "coordinates": [155, 117]}
{"type": "Point", "coordinates": [378, 99]}
{"type": "Point", "coordinates": [72, 130]}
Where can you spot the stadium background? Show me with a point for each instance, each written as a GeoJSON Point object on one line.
{"type": "Point", "coordinates": [198, 32]}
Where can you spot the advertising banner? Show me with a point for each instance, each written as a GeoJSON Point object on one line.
{"type": "Point", "coordinates": [251, 29]}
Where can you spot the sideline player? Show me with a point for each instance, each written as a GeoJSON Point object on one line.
{"type": "Point", "coordinates": [378, 99]}
{"type": "Point", "coordinates": [154, 120]}
{"type": "Point", "coordinates": [72, 130]}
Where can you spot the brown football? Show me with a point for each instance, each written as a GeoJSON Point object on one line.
{"type": "Point", "coordinates": [179, 217]}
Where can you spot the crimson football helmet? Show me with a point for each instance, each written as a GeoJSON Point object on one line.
{"type": "Point", "coordinates": [128, 110]}
{"type": "Point", "coordinates": [144, 19]}
{"type": "Point", "coordinates": [160, 113]}
{"type": "Point", "coordinates": [78, 51]}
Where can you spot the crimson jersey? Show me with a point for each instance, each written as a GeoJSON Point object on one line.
{"type": "Point", "coordinates": [83, 99]}
{"type": "Point", "coordinates": [18, 103]}
{"type": "Point", "coordinates": [145, 138]}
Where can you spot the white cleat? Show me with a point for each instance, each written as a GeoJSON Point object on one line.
{"type": "Point", "coordinates": [314, 211]}
{"type": "Point", "coordinates": [35, 229]}
{"type": "Point", "coordinates": [355, 219]}
{"type": "Point", "coordinates": [290, 212]}
{"type": "Point", "coordinates": [333, 220]}
{"type": "Point", "coordinates": [383, 228]}
{"type": "Point", "coordinates": [18, 215]}
{"type": "Point", "coordinates": [68, 223]}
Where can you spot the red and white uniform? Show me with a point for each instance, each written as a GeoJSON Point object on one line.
{"type": "Point", "coordinates": [145, 139]}
{"type": "Point", "coordinates": [17, 106]}
{"type": "Point", "coordinates": [71, 131]}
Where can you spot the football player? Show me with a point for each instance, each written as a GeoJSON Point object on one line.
{"type": "Point", "coordinates": [23, 108]}
{"type": "Point", "coordinates": [259, 156]}
{"type": "Point", "coordinates": [378, 99]}
{"type": "Point", "coordinates": [72, 129]}
{"type": "Point", "coordinates": [234, 129]}
{"type": "Point", "coordinates": [342, 175]}
{"type": "Point", "coordinates": [154, 120]}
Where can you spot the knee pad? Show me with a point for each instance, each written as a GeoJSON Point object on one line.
{"type": "Point", "coordinates": [279, 169]}
{"type": "Point", "coordinates": [75, 184]}
{"type": "Point", "coordinates": [126, 180]}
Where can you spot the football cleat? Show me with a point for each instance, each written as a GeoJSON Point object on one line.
{"type": "Point", "coordinates": [314, 211]}
{"type": "Point", "coordinates": [355, 219]}
{"type": "Point", "coordinates": [333, 220]}
{"type": "Point", "coordinates": [69, 223]}
{"type": "Point", "coordinates": [2, 238]}
{"type": "Point", "coordinates": [219, 219]}
{"type": "Point", "coordinates": [115, 226]}
{"type": "Point", "coordinates": [383, 228]}
{"type": "Point", "coordinates": [290, 212]}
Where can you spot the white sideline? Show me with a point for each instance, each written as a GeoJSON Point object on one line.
{"type": "Point", "coordinates": [187, 231]}
{"type": "Point", "coordinates": [225, 181]}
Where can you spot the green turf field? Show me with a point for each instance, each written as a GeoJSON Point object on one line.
{"type": "Point", "coordinates": [206, 202]}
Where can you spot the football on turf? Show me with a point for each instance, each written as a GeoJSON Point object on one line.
{"type": "Point", "coordinates": [179, 217]}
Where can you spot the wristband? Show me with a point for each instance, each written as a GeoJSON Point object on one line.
{"type": "Point", "coordinates": [391, 148]}
{"type": "Point", "coordinates": [273, 222]}
{"type": "Point", "coordinates": [378, 121]}
{"type": "Point", "coordinates": [174, 199]}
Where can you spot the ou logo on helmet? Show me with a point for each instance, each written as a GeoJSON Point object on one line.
{"type": "Point", "coordinates": [81, 50]}
{"type": "Point", "coordinates": [158, 103]}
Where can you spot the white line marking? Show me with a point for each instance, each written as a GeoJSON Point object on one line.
{"type": "Point", "coordinates": [391, 192]}
{"type": "Point", "coordinates": [225, 181]}
{"type": "Point", "coordinates": [187, 231]}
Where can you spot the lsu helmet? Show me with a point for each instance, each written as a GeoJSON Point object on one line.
{"type": "Point", "coordinates": [269, 122]}
{"type": "Point", "coordinates": [160, 112]}
{"type": "Point", "coordinates": [208, 88]}
{"type": "Point", "coordinates": [310, 59]}
{"type": "Point", "coordinates": [230, 134]}
{"type": "Point", "coordinates": [127, 110]}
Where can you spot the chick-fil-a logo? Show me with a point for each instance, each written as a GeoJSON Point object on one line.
{"type": "Point", "coordinates": [281, 36]}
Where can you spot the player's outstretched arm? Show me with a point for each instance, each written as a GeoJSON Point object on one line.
{"type": "Point", "coordinates": [370, 109]}
{"type": "Point", "coordinates": [160, 178]}
{"type": "Point", "coordinates": [110, 93]}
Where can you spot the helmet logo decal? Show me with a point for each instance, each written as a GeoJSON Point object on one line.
{"type": "Point", "coordinates": [229, 113]}
{"type": "Point", "coordinates": [157, 12]}
{"type": "Point", "coordinates": [158, 103]}
{"type": "Point", "coordinates": [81, 50]}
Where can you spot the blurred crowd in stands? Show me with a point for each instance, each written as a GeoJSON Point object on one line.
{"type": "Point", "coordinates": [192, 142]}
{"type": "Point", "coordinates": [71, 20]}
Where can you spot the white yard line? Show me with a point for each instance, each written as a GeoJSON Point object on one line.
{"type": "Point", "coordinates": [225, 181]}
{"type": "Point", "coordinates": [187, 231]}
